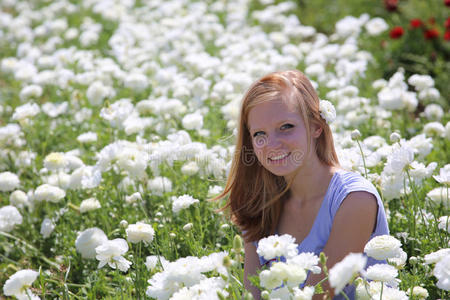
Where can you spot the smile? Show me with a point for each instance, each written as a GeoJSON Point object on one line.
{"type": "Point", "coordinates": [279, 157]}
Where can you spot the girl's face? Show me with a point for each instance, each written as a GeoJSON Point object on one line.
{"type": "Point", "coordinates": [279, 136]}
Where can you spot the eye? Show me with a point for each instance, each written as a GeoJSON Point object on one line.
{"type": "Point", "coordinates": [286, 126]}
{"type": "Point", "coordinates": [258, 133]}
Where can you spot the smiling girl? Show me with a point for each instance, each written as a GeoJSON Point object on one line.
{"type": "Point", "coordinates": [285, 178]}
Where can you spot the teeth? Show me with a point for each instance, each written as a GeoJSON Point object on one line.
{"type": "Point", "coordinates": [279, 157]}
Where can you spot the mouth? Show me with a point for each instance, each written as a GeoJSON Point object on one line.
{"type": "Point", "coordinates": [279, 158]}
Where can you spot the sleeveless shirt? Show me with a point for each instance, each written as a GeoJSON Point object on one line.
{"type": "Point", "coordinates": [342, 183]}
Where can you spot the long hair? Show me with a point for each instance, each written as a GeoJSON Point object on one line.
{"type": "Point", "coordinates": [256, 195]}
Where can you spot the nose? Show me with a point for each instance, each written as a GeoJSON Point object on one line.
{"type": "Point", "coordinates": [273, 141]}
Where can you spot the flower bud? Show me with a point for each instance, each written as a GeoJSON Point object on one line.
{"type": "Point", "coordinates": [187, 227]}
{"type": "Point", "coordinates": [265, 295]}
{"type": "Point", "coordinates": [237, 243]}
{"type": "Point", "coordinates": [172, 235]}
{"type": "Point", "coordinates": [123, 224]}
{"type": "Point", "coordinates": [395, 137]}
{"type": "Point", "coordinates": [227, 262]}
{"type": "Point", "coordinates": [355, 134]}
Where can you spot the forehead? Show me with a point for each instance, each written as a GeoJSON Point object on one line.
{"type": "Point", "coordinates": [272, 112]}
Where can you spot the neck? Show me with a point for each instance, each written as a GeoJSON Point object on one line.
{"type": "Point", "coordinates": [311, 181]}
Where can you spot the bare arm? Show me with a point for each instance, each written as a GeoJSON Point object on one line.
{"type": "Point", "coordinates": [251, 265]}
{"type": "Point", "coordinates": [352, 226]}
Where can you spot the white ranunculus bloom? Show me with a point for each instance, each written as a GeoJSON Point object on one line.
{"type": "Point", "coordinates": [159, 185]}
{"type": "Point", "coordinates": [110, 252]}
{"type": "Point", "coordinates": [25, 111]}
{"type": "Point", "coordinates": [183, 202]}
{"type": "Point", "coordinates": [152, 260]}
{"type": "Point", "coordinates": [88, 240]}
{"type": "Point", "coordinates": [55, 161]}
{"type": "Point", "coordinates": [97, 92]}
{"type": "Point", "coordinates": [442, 273]}
{"type": "Point", "coordinates": [376, 26]}
{"type": "Point", "coordinates": [344, 271]}
{"type": "Point", "coordinates": [18, 199]}
{"type": "Point", "coordinates": [18, 284]}
{"type": "Point", "coordinates": [433, 112]}
{"type": "Point", "coordinates": [30, 91]}
{"type": "Point", "coordinates": [382, 272]}
{"type": "Point", "coordinates": [47, 227]}
{"type": "Point", "coordinates": [140, 232]}
{"type": "Point", "coordinates": [89, 204]}
{"type": "Point", "coordinates": [133, 198]}
{"type": "Point", "coordinates": [193, 121]}
{"type": "Point", "coordinates": [440, 195]}
{"type": "Point", "coordinates": [436, 256]}
{"type": "Point", "coordinates": [421, 82]}
{"type": "Point", "coordinates": [87, 137]}
{"type": "Point", "coordinates": [419, 293]}
{"type": "Point", "coordinates": [305, 294]}
{"type": "Point", "coordinates": [444, 223]}
{"type": "Point", "coordinates": [47, 192]}
{"type": "Point", "coordinates": [306, 260]}
{"type": "Point", "coordinates": [8, 181]}
{"type": "Point", "coordinates": [190, 168]}
{"type": "Point", "coordinates": [9, 217]}
{"type": "Point", "coordinates": [276, 246]}
{"type": "Point", "coordinates": [444, 175]}
{"type": "Point", "coordinates": [383, 247]}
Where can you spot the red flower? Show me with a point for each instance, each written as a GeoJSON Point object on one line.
{"type": "Point", "coordinates": [447, 22]}
{"type": "Point", "coordinates": [431, 33]}
{"type": "Point", "coordinates": [391, 5]}
{"type": "Point", "coordinates": [447, 36]}
{"type": "Point", "coordinates": [447, 2]}
{"type": "Point", "coordinates": [415, 23]}
{"type": "Point", "coordinates": [396, 32]}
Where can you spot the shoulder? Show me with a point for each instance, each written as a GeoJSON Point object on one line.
{"type": "Point", "coordinates": [354, 189]}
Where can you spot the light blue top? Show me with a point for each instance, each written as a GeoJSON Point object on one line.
{"type": "Point", "coordinates": [342, 183]}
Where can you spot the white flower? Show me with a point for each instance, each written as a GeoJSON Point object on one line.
{"type": "Point", "coordinates": [159, 185]}
{"type": "Point", "coordinates": [88, 240]}
{"type": "Point", "coordinates": [30, 91]}
{"type": "Point", "coordinates": [421, 82]}
{"type": "Point", "coordinates": [110, 252]}
{"type": "Point", "coordinates": [383, 247]}
{"type": "Point", "coordinates": [133, 198]}
{"type": "Point", "coordinates": [87, 137]}
{"type": "Point", "coordinates": [8, 181]}
{"type": "Point", "coordinates": [444, 223]}
{"type": "Point", "coordinates": [214, 190]}
{"type": "Point", "coordinates": [55, 161]}
{"type": "Point", "coordinates": [183, 202]}
{"type": "Point", "coordinates": [193, 121]}
{"type": "Point", "coordinates": [444, 175]}
{"type": "Point", "coordinates": [188, 226]}
{"type": "Point", "coordinates": [434, 128]}
{"type": "Point", "coordinates": [276, 246]}
{"type": "Point", "coordinates": [97, 92]}
{"type": "Point", "coordinates": [19, 283]}
{"type": "Point", "coordinates": [152, 260]}
{"type": "Point", "coordinates": [442, 273]}
{"type": "Point", "coordinates": [440, 195]}
{"type": "Point", "coordinates": [399, 159]}
{"type": "Point", "coordinates": [47, 227]}
{"type": "Point", "coordinates": [306, 260]}
{"type": "Point", "coordinates": [381, 272]}
{"type": "Point", "coordinates": [305, 294]}
{"type": "Point", "coordinates": [436, 256]}
{"type": "Point", "coordinates": [136, 81]}
{"type": "Point", "coordinates": [190, 168]}
{"type": "Point", "coordinates": [433, 112]}
{"type": "Point", "coordinates": [49, 193]}
{"type": "Point", "coordinates": [25, 111]}
{"type": "Point", "coordinates": [327, 111]}
{"type": "Point", "coordinates": [85, 177]}
{"type": "Point", "coordinates": [419, 293]}
{"type": "Point", "coordinates": [344, 271]}
{"type": "Point", "coordinates": [400, 260]}
{"type": "Point", "coordinates": [140, 232]}
{"type": "Point", "coordinates": [9, 217]}
{"type": "Point", "coordinates": [18, 199]}
{"type": "Point", "coordinates": [89, 204]}
{"type": "Point", "coordinates": [376, 26]}
{"type": "Point", "coordinates": [389, 293]}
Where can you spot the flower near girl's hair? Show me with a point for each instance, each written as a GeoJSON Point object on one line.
{"type": "Point", "coordinates": [327, 111]}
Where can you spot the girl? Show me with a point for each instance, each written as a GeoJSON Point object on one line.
{"type": "Point", "coordinates": [285, 179]}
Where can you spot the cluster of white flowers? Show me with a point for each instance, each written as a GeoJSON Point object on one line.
{"type": "Point", "coordinates": [182, 202]}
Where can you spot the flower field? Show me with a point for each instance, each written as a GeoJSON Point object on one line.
{"type": "Point", "coordinates": [118, 122]}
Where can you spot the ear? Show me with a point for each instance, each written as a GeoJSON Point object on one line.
{"type": "Point", "coordinates": [316, 130]}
